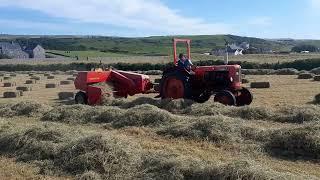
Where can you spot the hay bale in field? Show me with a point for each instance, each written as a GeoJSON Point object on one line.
{"type": "Point", "coordinates": [31, 74]}
{"type": "Point", "coordinates": [71, 79]}
{"type": "Point", "coordinates": [316, 78]}
{"type": "Point", "coordinates": [75, 74]}
{"type": "Point", "coordinates": [305, 76]}
{"type": "Point", "coordinates": [286, 71]}
{"type": "Point", "coordinates": [245, 81]}
{"type": "Point", "coordinates": [50, 77]}
{"type": "Point", "coordinates": [6, 78]}
{"type": "Point", "coordinates": [12, 94]}
{"type": "Point", "coordinates": [260, 85]}
{"type": "Point", "coordinates": [65, 95]}
{"type": "Point", "coordinates": [23, 88]}
{"type": "Point", "coordinates": [1, 74]}
{"type": "Point", "coordinates": [51, 85]}
{"type": "Point", "coordinates": [315, 71]}
{"type": "Point", "coordinates": [157, 81]}
{"type": "Point", "coordinates": [13, 75]}
{"type": "Point", "coordinates": [31, 81]}
{"type": "Point", "coordinates": [9, 84]}
{"type": "Point", "coordinates": [37, 78]}
{"type": "Point", "coordinates": [65, 82]}
{"type": "Point", "coordinates": [317, 99]}
{"type": "Point", "coordinates": [46, 75]}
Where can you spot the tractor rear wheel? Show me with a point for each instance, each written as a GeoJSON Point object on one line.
{"type": "Point", "coordinates": [81, 98]}
{"type": "Point", "coordinates": [225, 97]}
{"type": "Point", "coordinates": [174, 87]}
{"type": "Point", "coordinates": [245, 97]}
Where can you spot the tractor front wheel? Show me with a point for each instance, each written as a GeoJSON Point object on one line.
{"type": "Point", "coordinates": [245, 97]}
{"type": "Point", "coordinates": [225, 97]}
{"type": "Point", "coordinates": [81, 98]}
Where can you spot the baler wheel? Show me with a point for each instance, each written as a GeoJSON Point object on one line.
{"type": "Point", "coordinates": [173, 87]}
{"type": "Point", "coordinates": [245, 97]}
{"type": "Point", "coordinates": [225, 97]}
{"type": "Point", "coordinates": [81, 98]}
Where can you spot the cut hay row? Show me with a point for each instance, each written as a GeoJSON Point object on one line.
{"type": "Point", "coordinates": [85, 154]}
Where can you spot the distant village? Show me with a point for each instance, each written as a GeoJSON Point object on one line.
{"type": "Point", "coordinates": [240, 49]}
{"type": "Point", "coordinates": [15, 51]}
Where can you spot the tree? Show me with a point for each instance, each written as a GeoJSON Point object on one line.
{"type": "Point", "coordinates": [304, 47]}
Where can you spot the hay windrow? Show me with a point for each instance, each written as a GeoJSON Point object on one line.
{"type": "Point", "coordinates": [297, 143]}
{"type": "Point", "coordinates": [26, 108]}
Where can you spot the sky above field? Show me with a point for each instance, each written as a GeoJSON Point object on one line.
{"type": "Point", "coordinates": [264, 19]}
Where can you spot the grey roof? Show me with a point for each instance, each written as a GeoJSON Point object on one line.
{"type": "Point", "coordinates": [31, 47]}
{"type": "Point", "coordinates": [12, 46]}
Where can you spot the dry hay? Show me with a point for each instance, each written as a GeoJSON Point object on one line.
{"type": "Point", "coordinates": [31, 74]}
{"type": "Point", "coordinates": [158, 81]}
{"type": "Point", "coordinates": [297, 143]}
{"type": "Point", "coordinates": [65, 82]}
{"type": "Point", "coordinates": [46, 75]}
{"type": "Point", "coordinates": [75, 74]}
{"type": "Point", "coordinates": [31, 81]}
{"type": "Point", "coordinates": [26, 108]}
{"type": "Point", "coordinates": [23, 88]}
{"type": "Point", "coordinates": [260, 85]}
{"type": "Point", "coordinates": [9, 84]}
{"type": "Point", "coordinates": [37, 78]}
{"type": "Point", "coordinates": [315, 71]}
{"type": "Point", "coordinates": [12, 94]}
{"type": "Point", "coordinates": [71, 79]}
{"type": "Point", "coordinates": [51, 85]}
{"type": "Point", "coordinates": [317, 99]}
{"type": "Point", "coordinates": [245, 81]}
{"type": "Point", "coordinates": [50, 77]}
{"type": "Point", "coordinates": [316, 78]}
{"type": "Point", "coordinates": [7, 78]}
{"type": "Point", "coordinates": [13, 75]}
{"type": "Point", "coordinates": [305, 76]}
{"type": "Point", "coordinates": [65, 95]}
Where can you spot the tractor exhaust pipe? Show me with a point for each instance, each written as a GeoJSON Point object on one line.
{"type": "Point", "coordinates": [226, 56]}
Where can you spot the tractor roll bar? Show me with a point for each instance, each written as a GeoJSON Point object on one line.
{"type": "Point", "coordinates": [175, 41]}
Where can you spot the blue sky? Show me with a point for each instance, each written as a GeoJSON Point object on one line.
{"type": "Point", "coordinates": [264, 19]}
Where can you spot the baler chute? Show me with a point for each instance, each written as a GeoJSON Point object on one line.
{"type": "Point", "coordinates": [94, 85]}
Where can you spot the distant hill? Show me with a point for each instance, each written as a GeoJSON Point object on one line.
{"type": "Point", "coordinates": [156, 45]}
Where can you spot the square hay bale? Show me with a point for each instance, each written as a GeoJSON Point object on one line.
{"type": "Point", "coordinates": [12, 94]}
{"type": "Point", "coordinates": [31, 74]}
{"type": "Point", "coordinates": [317, 99]}
{"type": "Point", "coordinates": [65, 82]}
{"type": "Point", "coordinates": [51, 85]}
{"type": "Point", "coordinates": [71, 79]}
{"type": "Point", "coordinates": [158, 81]}
{"type": "Point", "coordinates": [75, 74]}
{"type": "Point", "coordinates": [1, 74]}
{"type": "Point", "coordinates": [245, 81]}
{"type": "Point", "coordinates": [37, 78]}
{"type": "Point", "coordinates": [305, 76]}
{"type": "Point", "coordinates": [65, 95]}
{"type": "Point", "coordinates": [23, 88]}
{"type": "Point", "coordinates": [259, 85]}
{"type": "Point", "coordinates": [50, 77]}
{"type": "Point", "coordinates": [13, 75]}
{"type": "Point", "coordinates": [316, 78]}
{"type": "Point", "coordinates": [9, 84]}
{"type": "Point", "coordinates": [31, 81]}
{"type": "Point", "coordinates": [46, 75]}
{"type": "Point", "coordinates": [6, 78]}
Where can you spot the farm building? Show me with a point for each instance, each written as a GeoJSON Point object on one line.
{"type": "Point", "coordinates": [12, 50]}
{"type": "Point", "coordinates": [35, 51]}
{"type": "Point", "coordinates": [232, 49]}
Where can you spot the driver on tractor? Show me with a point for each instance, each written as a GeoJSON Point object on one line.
{"type": "Point", "coordinates": [184, 62]}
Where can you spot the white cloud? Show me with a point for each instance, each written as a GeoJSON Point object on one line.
{"type": "Point", "coordinates": [260, 21]}
{"type": "Point", "coordinates": [138, 15]}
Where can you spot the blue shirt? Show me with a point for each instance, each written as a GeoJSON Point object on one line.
{"type": "Point", "coordinates": [186, 64]}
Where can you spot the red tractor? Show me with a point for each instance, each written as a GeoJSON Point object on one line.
{"type": "Point", "coordinates": [223, 81]}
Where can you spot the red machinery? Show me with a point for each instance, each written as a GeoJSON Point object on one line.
{"type": "Point", "coordinates": [222, 81]}
{"type": "Point", "coordinates": [93, 85]}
